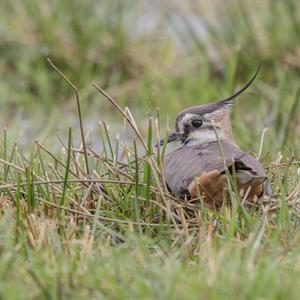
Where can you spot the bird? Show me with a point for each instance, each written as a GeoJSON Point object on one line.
{"type": "Point", "coordinates": [209, 160]}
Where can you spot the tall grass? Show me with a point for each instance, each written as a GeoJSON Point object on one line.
{"type": "Point", "coordinates": [84, 220]}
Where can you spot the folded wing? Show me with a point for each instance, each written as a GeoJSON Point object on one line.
{"type": "Point", "coordinates": [185, 164]}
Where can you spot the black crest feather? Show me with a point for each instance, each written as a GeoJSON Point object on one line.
{"type": "Point", "coordinates": [231, 99]}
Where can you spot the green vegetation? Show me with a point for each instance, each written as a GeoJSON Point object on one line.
{"type": "Point", "coordinates": [94, 219]}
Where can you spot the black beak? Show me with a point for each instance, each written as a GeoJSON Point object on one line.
{"type": "Point", "coordinates": [171, 138]}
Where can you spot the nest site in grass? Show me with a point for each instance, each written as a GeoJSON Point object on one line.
{"type": "Point", "coordinates": [86, 185]}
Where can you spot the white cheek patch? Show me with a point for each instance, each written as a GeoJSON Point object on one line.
{"type": "Point", "coordinates": [198, 137]}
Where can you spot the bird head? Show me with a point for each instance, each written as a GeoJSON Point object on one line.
{"type": "Point", "coordinates": [200, 124]}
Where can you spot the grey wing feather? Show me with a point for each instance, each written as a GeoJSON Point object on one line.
{"type": "Point", "coordinates": [186, 163]}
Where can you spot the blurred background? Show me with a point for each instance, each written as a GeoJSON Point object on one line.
{"type": "Point", "coordinates": [148, 55]}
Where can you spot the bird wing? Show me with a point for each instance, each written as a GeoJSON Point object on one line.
{"type": "Point", "coordinates": [187, 163]}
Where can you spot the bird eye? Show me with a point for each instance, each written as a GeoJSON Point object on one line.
{"type": "Point", "coordinates": [197, 123]}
